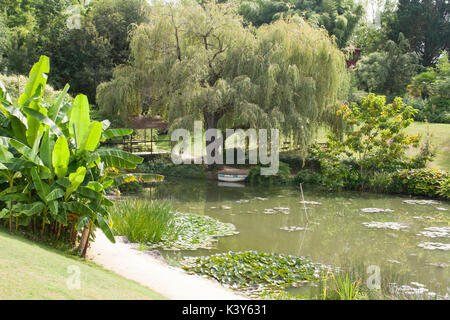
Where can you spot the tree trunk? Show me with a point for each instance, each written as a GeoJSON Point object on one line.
{"type": "Point", "coordinates": [211, 122]}
{"type": "Point", "coordinates": [84, 240]}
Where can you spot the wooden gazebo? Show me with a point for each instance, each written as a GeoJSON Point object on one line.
{"type": "Point", "coordinates": [145, 123]}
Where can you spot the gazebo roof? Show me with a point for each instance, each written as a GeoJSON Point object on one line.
{"type": "Point", "coordinates": [147, 122]}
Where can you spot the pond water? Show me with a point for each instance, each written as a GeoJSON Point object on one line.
{"type": "Point", "coordinates": [334, 231]}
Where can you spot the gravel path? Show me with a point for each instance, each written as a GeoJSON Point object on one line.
{"type": "Point", "coordinates": [171, 282]}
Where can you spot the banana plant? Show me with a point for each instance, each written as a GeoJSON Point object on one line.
{"type": "Point", "coordinates": [52, 166]}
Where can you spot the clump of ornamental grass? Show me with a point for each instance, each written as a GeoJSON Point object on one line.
{"type": "Point", "coordinates": [143, 221]}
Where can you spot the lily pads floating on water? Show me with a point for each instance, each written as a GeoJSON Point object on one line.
{"type": "Point", "coordinates": [253, 272]}
{"type": "Point", "coordinates": [375, 210]}
{"type": "Point", "coordinates": [414, 290]}
{"type": "Point", "coordinates": [277, 210]}
{"type": "Point", "coordinates": [310, 202]}
{"type": "Point", "coordinates": [421, 201]}
{"type": "Point", "coordinates": [435, 246]}
{"type": "Point", "coordinates": [441, 209]}
{"type": "Point", "coordinates": [293, 228]}
{"type": "Point", "coordinates": [385, 225]}
{"type": "Point", "coordinates": [195, 232]}
{"type": "Point", "coordinates": [242, 201]}
{"type": "Point", "coordinates": [436, 232]}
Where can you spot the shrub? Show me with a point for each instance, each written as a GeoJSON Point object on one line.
{"type": "Point", "coordinates": [167, 168]}
{"type": "Point", "coordinates": [428, 182]}
{"type": "Point", "coordinates": [282, 177]}
{"type": "Point", "coordinates": [376, 143]}
{"type": "Point", "coordinates": [143, 221]}
{"type": "Point", "coordinates": [307, 177]}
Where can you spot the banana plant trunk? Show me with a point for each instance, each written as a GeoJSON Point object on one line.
{"type": "Point", "coordinates": [84, 242]}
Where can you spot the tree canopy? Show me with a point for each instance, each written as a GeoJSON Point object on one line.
{"type": "Point", "coordinates": [200, 62]}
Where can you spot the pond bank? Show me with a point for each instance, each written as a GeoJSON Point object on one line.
{"type": "Point", "coordinates": [171, 282]}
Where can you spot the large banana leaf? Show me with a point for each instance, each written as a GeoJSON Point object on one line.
{"type": "Point", "coordinates": [61, 156]}
{"type": "Point", "coordinates": [42, 118]}
{"type": "Point", "coordinates": [37, 77]}
{"type": "Point", "coordinates": [56, 106]}
{"type": "Point", "coordinates": [93, 137]}
{"type": "Point", "coordinates": [47, 146]}
{"type": "Point", "coordinates": [111, 133]}
{"type": "Point", "coordinates": [76, 178]}
{"type": "Point", "coordinates": [119, 159]}
{"type": "Point", "coordinates": [79, 123]}
{"type": "Point", "coordinates": [42, 188]}
{"type": "Point", "coordinates": [23, 149]}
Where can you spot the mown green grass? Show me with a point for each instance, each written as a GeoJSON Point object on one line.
{"type": "Point", "coordinates": [30, 270]}
{"type": "Point", "coordinates": [440, 139]}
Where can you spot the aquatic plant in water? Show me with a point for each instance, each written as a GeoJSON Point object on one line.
{"type": "Point", "coordinates": [253, 272]}
{"type": "Point", "coordinates": [194, 232]}
{"type": "Point", "coordinates": [385, 225]}
{"type": "Point", "coordinates": [435, 246]}
{"type": "Point", "coordinates": [375, 210]}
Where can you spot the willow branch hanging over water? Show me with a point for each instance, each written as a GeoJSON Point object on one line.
{"type": "Point", "coordinates": [201, 63]}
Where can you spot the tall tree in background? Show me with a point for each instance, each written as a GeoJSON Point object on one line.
{"type": "Point", "coordinates": [339, 17]}
{"type": "Point", "coordinates": [426, 25]}
{"type": "Point", "coordinates": [31, 26]}
{"type": "Point", "coordinates": [83, 55]}
{"type": "Point", "coordinates": [388, 72]}
{"type": "Point", "coordinates": [201, 63]}
{"type": "Point", "coordinates": [87, 56]}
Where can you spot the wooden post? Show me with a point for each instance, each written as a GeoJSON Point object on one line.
{"type": "Point", "coordinates": [145, 139]}
{"type": "Point", "coordinates": [151, 140]}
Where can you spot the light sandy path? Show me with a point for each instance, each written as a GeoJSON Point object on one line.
{"type": "Point", "coordinates": [171, 282]}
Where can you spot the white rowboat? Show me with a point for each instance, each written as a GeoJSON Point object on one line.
{"type": "Point", "coordinates": [232, 177]}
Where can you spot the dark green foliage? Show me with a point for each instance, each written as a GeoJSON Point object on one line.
{"type": "Point", "coordinates": [431, 92]}
{"type": "Point", "coordinates": [132, 186]}
{"type": "Point", "coordinates": [425, 24]}
{"type": "Point", "coordinates": [338, 17]}
{"type": "Point", "coordinates": [426, 182]}
{"type": "Point", "coordinates": [282, 177]}
{"type": "Point", "coordinates": [307, 177]}
{"type": "Point", "coordinates": [253, 270]}
{"type": "Point", "coordinates": [167, 168]}
{"type": "Point", "coordinates": [388, 71]}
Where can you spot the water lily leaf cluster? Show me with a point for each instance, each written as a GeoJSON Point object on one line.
{"type": "Point", "coordinates": [53, 171]}
{"type": "Point", "coordinates": [252, 271]}
{"type": "Point", "coordinates": [195, 232]}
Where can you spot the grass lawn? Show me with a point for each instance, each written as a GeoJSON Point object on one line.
{"type": "Point", "coordinates": [30, 270]}
{"type": "Point", "coordinates": [440, 139]}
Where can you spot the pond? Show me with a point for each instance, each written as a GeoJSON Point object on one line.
{"type": "Point", "coordinates": [333, 231]}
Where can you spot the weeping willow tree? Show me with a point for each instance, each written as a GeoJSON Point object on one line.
{"type": "Point", "coordinates": [200, 62]}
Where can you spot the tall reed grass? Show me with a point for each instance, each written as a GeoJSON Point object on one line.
{"type": "Point", "coordinates": [143, 221]}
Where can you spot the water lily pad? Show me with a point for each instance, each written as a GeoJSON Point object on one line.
{"type": "Point", "coordinates": [421, 202]}
{"type": "Point", "coordinates": [253, 272]}
{"type": "Point", "coordinates": [310, 202]}
{"type": "Point", "coordinates": [375, 210]}
{"type": "Point", "coordinates": [293, 228]}
{"type": "Point", "coordinates": [441, 209]}
{"type": "Point", "coordinates": [196, 232]}
{"type": "Point", "coordinates": [385, 225]}
{"type": "Point", "coordinates": [436, 232]}
{"type": "Point", "coordinates": [435, 246]}
{"type": "Point", "coordinates": [225, 207]}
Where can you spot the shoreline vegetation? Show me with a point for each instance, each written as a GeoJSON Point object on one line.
{"type": "Point", "coordinates": [156, 225]}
